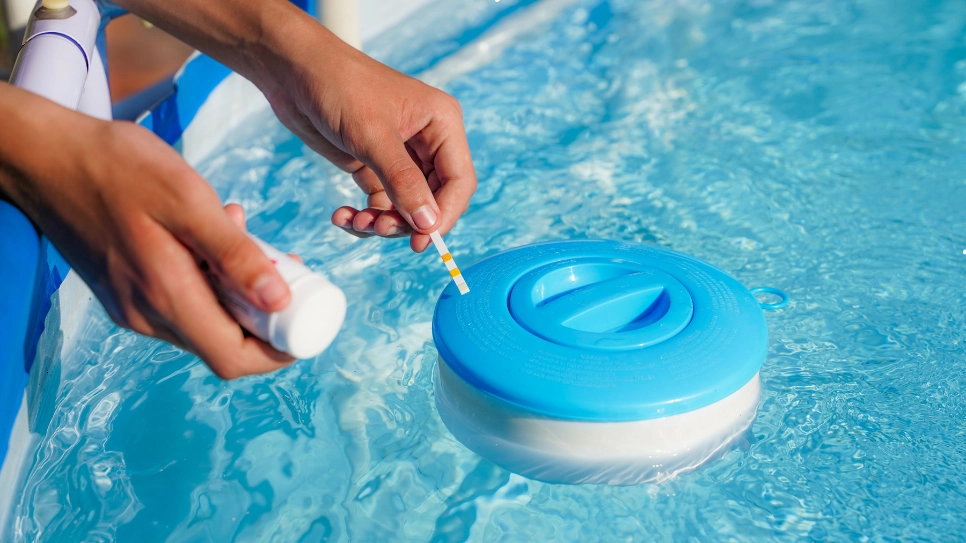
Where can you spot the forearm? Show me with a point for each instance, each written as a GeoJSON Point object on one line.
{"type": "Point", "coordinates": [36, 149]}
{"type": "Point", "coordinates": [260, 39]}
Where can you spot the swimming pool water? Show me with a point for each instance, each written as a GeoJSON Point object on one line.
{"type": "Point", "coordinates": [814, 146]}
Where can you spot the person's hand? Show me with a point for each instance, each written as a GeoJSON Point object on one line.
{"type": "Point", "coordinates": [402, 140]}
{"type": "Point", "coordinates": [134, 220]}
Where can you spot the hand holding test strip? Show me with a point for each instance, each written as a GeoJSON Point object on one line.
{"type": "Point", "coordinates": [450, 264]}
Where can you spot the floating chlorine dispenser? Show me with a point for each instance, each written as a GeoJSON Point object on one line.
{"type": "Point", "coordinates": [598, 361]}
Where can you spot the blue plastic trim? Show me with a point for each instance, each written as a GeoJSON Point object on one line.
{"type": "Point", "coordinates": [51, 272]}
{"type": "Point", "coordinates": [306, 5]}
{"type": "Point", "coordinates": [19, 253]}
{"type": "Point", "coordinates": [199, 77]}
{"type": "Point", "coordinates": [601, 331]}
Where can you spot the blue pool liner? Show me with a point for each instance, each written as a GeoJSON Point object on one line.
{"type": "Point", "coordinates": [170, 117]}
{"type": "Point", "coordinates": [19, 252]}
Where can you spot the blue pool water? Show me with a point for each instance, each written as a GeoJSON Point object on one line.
{"type": "Point", "coordinates": [814, 146]}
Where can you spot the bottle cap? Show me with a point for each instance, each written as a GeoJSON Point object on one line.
{"type": "Point", "coordinates": [312, 319]}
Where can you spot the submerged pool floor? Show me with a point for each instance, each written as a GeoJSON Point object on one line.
{"type": "Point", "coordinates": [817, 147]}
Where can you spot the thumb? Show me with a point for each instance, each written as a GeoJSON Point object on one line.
{"type": "Point", "coordinates": [404, 183]}
{"type": "Point", "coordinates": [240, 265]}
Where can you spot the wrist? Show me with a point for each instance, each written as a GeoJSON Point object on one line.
{"type": "Point", "coordinates": [37, 148]}
{"type": "Point", "coordinates": [3, 193]}
{"type": "Point", "coordinates": [250, 36]}
{"type": "Point", "coordinates": [264, 48]}
{"type": "Point", "coordinates": [293, 51]}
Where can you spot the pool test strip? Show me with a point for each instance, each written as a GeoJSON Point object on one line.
{"type": "Point", "coordinates": [450, 264]}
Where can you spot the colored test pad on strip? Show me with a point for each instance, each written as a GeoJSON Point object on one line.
{"type": "Point", "coordinates": [450, 264]}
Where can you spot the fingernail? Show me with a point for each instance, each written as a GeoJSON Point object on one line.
{"type": "Point", "coordinates": [393, 230]}
{"type": "Point", "coordinates": [270, 289]}
{"type": "Point", "coordinates": [424, 217]}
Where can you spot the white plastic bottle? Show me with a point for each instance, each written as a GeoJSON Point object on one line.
{"type": "Point", "coordinates": [310, 321]}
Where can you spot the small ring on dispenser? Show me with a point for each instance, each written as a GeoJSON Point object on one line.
{"type": "Point", "coordinates": [769, 290]}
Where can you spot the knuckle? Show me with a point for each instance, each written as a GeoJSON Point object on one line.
{"type": "Point", "coordinates": [131, 318]}
{"type": "Point", "coordinates": [157, 303]}
{"type": "Point", "coordinates": [236, 367]}
{"type": "Point", "coordinates": [158, 297]}
{"type": "Point", "coordinates": [237, 259]}
{"type": "Point", "coordinates": [144, 330]}
{"type": "Point", "coordinates": [401, 174]}
{"type": "Point", "coordinates": [193, 201]}
{"type": "Point", "coordinates": [409, 195]}
{"type": "Point", "coordinates": [226, 372]}
{"type": "Point", "coordinates": [447, 104]}
{"type": "Point", "coordinates": [224, 366]}
{"type": "Point", "coordinates": [455, 106]}
{"type": "Point", "coordinates": [156, 288]}
{"type": "Point", "coordinates": [191, 194]}
{"type": "Point", "coordinates": [120, 319]}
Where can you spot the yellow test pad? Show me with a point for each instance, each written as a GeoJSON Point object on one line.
{"type": "Point", "coordinates": [450, 264]}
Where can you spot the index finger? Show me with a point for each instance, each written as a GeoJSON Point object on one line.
{"type": "Point", "coordinates": [207, 329]}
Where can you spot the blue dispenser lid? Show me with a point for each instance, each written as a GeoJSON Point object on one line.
{"type": "Point", "coordinates": [601, 331]}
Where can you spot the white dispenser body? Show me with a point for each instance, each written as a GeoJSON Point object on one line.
{"type": "Point", "coordinates": [569, 451]}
